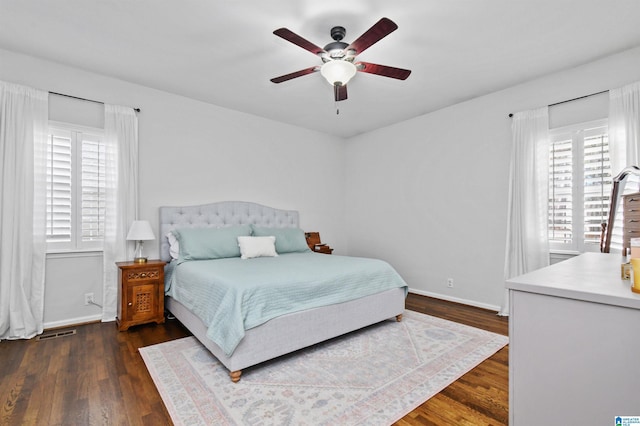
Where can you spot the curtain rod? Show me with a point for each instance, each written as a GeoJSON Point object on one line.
{"type": "Point", "coordinates": [574, 99]}
{"type": "Point", "coordinates": [84, 99]}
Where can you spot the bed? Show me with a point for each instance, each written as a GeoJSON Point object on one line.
{"type": "Point", "coordinates": [376, 297]}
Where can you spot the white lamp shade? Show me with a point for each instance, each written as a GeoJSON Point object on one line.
{"type": "Point", "coordinates": [338, 71]}
{"type": "Point", "coordinates": [140, 231]}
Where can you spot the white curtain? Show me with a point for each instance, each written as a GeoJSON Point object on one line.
{"type": "Point", "coordinates": [527, 246]}
{"type": "Point", "coordinates": [121, 139]}
{"type": "Point", "coordinates": [23, 151]}
{"type": "Point", "coordinates": [624, 127]}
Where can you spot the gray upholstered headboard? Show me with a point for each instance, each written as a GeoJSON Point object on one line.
{"type": "Point", "coordinates": [221, 214]}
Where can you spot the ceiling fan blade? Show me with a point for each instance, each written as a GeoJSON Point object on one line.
{"type": "Point", "coordinates": [298, 41]}
{"type": "Point", "coordinates": [383, 70]}
{"type": "Point", "coordinates": [295, 74]}
{"type": "Point", "coordinates": [340, 92]}
{"type": "Point", "coordinates": [380, 30]}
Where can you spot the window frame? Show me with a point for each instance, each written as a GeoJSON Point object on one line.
{"type": "Point", "coordinates": [577, 133]}
{"type": "Point", "coordinates": [79, 134]}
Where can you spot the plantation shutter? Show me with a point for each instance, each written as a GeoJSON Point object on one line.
{"type": "Point", "coordinates": [580, 184]}
{"type": "Point", "coordinates": [59, 187]}
{"type": "Point", "coordinates": [93, 189]}
{"type": "Point", "coordinates": [76, 175]}
{"type": "Point", "coordinates": [561, 191]}
{"type": "Point", "coordinates": [597, 184]}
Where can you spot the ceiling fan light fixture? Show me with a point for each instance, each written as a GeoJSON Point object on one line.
{"type": "Point", "coordinates": [338, 71]}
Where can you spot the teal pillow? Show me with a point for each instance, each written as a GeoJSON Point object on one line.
{"type": "Point", "coordinates": [288, 240]}
{"type": "Point", "coordinates": [210, 243]}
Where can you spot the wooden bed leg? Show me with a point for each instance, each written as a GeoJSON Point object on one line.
{"type": "Point", "coordinates": [399, 318]}
{"type": "Point", "coordinates": [235, 376]}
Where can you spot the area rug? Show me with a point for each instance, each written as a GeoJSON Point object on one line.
{"type": "Point", "coordinates": [373, 376]}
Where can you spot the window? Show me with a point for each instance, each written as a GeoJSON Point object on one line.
{"type": "Point", "coordinates": [579, 186]}
{"type": "Point", "coordinates": [75, 188]}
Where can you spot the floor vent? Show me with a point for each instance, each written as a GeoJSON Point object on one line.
{"type": "Point", "coordinates": [56, 334]}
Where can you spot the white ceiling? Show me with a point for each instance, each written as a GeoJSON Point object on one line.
{"type": "Point", "coordinates": [223, 51]}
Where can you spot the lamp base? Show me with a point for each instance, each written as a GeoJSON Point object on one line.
{"type": "Point", "coordinates": [138, 257]}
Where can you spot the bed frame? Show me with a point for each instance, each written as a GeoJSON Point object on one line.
{"type": "Point", "coordinates": [286, 333]}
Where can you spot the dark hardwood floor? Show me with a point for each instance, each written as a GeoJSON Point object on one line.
{"type": "Point", "coordinates": [97, 377]}
{"type": "Point", "coordinates": [480, 397]}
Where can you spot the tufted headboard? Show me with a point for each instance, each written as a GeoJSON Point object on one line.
{"type": "Point", "coordinates": [221, 214]}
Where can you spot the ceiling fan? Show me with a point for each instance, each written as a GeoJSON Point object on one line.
{"type": "Point", "coordinates": [338, 57]}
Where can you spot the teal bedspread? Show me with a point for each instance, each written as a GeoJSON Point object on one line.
{"type": "Point", "coordinates": [233, 295]}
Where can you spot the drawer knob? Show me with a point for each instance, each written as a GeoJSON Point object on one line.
{"type": "Point", "coordinates": [130, 304]}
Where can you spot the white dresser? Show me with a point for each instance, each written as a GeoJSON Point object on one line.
{"type": "Point", "coordinates": [574, 344]}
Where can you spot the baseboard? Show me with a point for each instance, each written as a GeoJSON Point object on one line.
{"type": "Point", "coordinates": [456, 300]}
{"type": "Point", "coordinates": [73, 321]}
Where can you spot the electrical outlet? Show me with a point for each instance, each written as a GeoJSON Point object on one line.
{"type": "Point", "coordinates": [450, 282]}
{"type": "Point", "coordinates": [88, 298]}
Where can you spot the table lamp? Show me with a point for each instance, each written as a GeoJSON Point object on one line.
{"type": "Point", "coordinates": [140, 231]}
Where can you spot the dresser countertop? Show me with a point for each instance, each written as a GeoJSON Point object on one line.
{"type": "Point", "coordinates": [589, 277]}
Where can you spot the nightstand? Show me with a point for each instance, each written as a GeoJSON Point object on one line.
{"type": "Point", "coordinates": [313, 241]}
{"type": "Point", "coordinates": [140, 293]}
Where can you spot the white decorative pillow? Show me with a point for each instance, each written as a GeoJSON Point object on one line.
{"type": "Point", "coordinates": [251, 247]}
{"type": "Point", "coordinates": [174, 245]}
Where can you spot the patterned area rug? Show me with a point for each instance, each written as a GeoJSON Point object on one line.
{"type": "Point", "coordinates": [373, 376]}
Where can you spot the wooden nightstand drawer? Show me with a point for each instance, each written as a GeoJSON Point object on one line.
{"type": "Point", "coordinates": [141, 293]}
{"type": "Point", "coordinates": [144, 274]}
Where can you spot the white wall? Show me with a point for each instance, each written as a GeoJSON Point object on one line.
{"type": "Point", "coordinates": [192, 153]}
{"type": "Point", "coordinates": [429, 195]}
{"type": "Point", "coordinates": [68, 278]}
